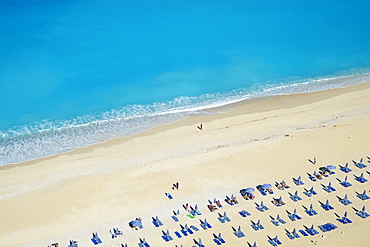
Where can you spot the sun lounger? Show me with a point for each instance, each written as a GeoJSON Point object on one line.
{"type": "Point", "coordinates": [363, 196]}
{"type": "Point", "coordinates": [307, 192]}
{"type": "Point", "coordinates": [72, 243]}
{"type": "Point", "coordinates": [345, 201]}
{"type": "Point", "coordinates": [259, 207]}
{"type": "Point", "coordinates": [166, 236]}
{"type": "Point", "coordinates": [250, 245]}
{"type": "Point", "coordinates": [280, 219]}
{"type": "Point", "coordinates": [298, 181]}
{"type": "Point", "coordinates": [361, 178]}
{"type": "Point", "coordinates": [295, 234]}
{"type": "Point", "coordinates": [311, 177]}
{"type": "Point", "coordinates": [199, 242]}
{"type": "Point", "coordinates": [169, 196]}
{"type": "Point", "coordinates": [178, 234]}
{"type": "Point", "coordinates": [238, 232]}
{"type": "Point", "coordinates": [143, 243]}
{"type": "Point", "coordinates": [359, 164]}
{"type": "Point", "coordinates": [95, 239]}
{"type": "Point", "coordinates": [276, 239]}
{"type": "Point", "coordinates": [326, 206]}
{"type": "Point", "coordinates": [303, 233]}
{"type": "Point", "coordinates": [345, 168]}
{"type": "Point", "coordinates": [290, 235]}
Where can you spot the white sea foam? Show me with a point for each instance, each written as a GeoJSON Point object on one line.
{"type": "Point", "coordinates": [47, 138]}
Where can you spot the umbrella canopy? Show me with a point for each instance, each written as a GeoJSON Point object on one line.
{"type": "Point", "coordinates": [266, 186]}
{"type": "Point", "coordinates": [136, 223]}
{"type": "Point", "coordinates": [324, 169]}
{"type": "Point", "coordinates": [331, 167]}
{"type": "Point", "coordinates": [249, 190]}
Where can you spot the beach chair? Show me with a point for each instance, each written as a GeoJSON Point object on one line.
{"type": "Point", "coordinates": [168, 195]}
{"type": "Point", "coordinates": [221, 218]}
{"type": "Point", "coordinates": [155, 223]}
{"type": "Point", "coordinates": [326, 206]}
{"type": "Point", "coordinates": [219, 237]}
{"type": "Point", "coordinates": [326, 188]}
{"type": "Point", "coordinates": [73, 243]}
{"type": "Point", "coordinates": [250, 245]}
{"type": "Point", "coordinates": [254, 226]}
{"type": "Point", "coordinates": [243, 214]}
{"type": "Point", "coordinates": [175, 214]}
{"type": "Point", "coordinates": [264, 206]}
{"type": "Point", "coordinates": [178, 234]}
{"type": "Point", "coordinates": [345, 168]}
{"type": "Point", "coordinates": [303, 233]}
{"type": "Point", "coordinates": [199, 242]}
{"type": "Point", "coordinates": [238, 232]}
{"type": "Point", "coordinates": [361, 178]}
{"type": "Point", "coordinates": [259, 207]}
{"type": "Point", "coordinates": [307, 192]}
{"type": "Point", "coordinates": [275, 222]}
{"type": "Point", "coordinates": [363, 196]}
{"type": "Point", "coordinates": [207, 224]}
{"type": "Point", "coordinates": [295, 234]}
{"type": "Point", "coordinates": [289, 234]}
{"type": "Point", "coordinates": [166, 236]}
{"type": "Point", "coordinates": [271, 241]}
{"type": "Point", "coordinates": [143, 243]}
{"type": "Point", "coordinates": [345, 201]}
{"type": "Point", "coordinates": [188, 229]}
{"type": "Point", "coordinates": [285, 184]}
{"type": "Point", "coordinates": [203, 225]}
{"type": "Point", "coordinates": [298, 181]}
{"type": "Point", "coordinates": [344, 183]}
{"type": "Point", "coordinates": [183, 230]}
{"type": "Point", "coordinates": [196, 209]}
{"type": "Point", "coordinates": [95, 239]}
{"type": "Point", "coordinates": [280, 219]}
{"type": "Point", "coordinates": [276, 239]}
{"type": "Point", "coordinates": [359, 164]}
{"type": "Point", "coordinates": [313, 178]}
{"type": "Point", "coordinates": [194, 228]}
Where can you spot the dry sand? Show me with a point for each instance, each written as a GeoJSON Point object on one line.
{"type": "Point", "coordinates": [69, 196]}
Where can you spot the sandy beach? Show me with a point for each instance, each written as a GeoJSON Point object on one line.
{"type": "Point", "coordinates": [94, 189]}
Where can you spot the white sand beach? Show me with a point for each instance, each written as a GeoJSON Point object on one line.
{"type": "Point", "coordinates": [70, 196]}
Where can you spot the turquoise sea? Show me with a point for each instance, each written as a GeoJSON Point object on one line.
{"type": "Point", "coordinates": [75, 72]}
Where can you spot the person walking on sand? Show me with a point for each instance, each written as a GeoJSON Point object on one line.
{"type": "Point", "coordinates": [200, 127]}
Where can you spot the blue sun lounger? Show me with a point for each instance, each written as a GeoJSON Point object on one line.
{"type": "Point", "coordinates": [345, 168]}
{"type": "Point", "coordinates": [298, 181]}
{"type": "Point", "coordinates": [178, 234]}
{"type": "Point", "coordinates": [361, 178]}
{"type": "Point", "coordinates": [344, 183]}
{"type": "Point", "coordinates": [311, 177]}
{"type": "Point", "coordinates": [295, 197]}
{"type": "Point", "coordinates": [174, 216]}
{"type": "Point", "coordinates": [238, 232]}
{"type": "Point", "coordinates": [326, 206]}
{"type": "Point", "coordinates": [243, 214]}
{"type": "Point", "coordinates": [294, 216]}
{"type": "Point", "coordinates": [194, 228]}
{"type": "Point", "coordinates": [258, 207]}
{"type": "Point", "coordinates": [95, 239]}
{"type": "Point", "coordinates": [363, 196]}
{"type": "Point", "coordinates": [143, 243]}
{"type": "Point", "coordinates": [310, 211]}
{"type": "Point", "coordinates": [359, 164]}
{"type": "Point", "coordinates": [166, 236]}
{"type": "Point", "coordinates": [289, 234]}
{"type": "Point", "coordinates": [275, 222]}
{"type": "Point", "coordinates": [168, 195]}
{"type": "Point", "coordinates": [257, 226]}
{"type": "Point", "coordinates": [303, 233]}
{"type": "Point", "coordinates": [280, 219]}
{"type": "Point", "coordinates": [274, 241]}
{"type": "Point", "coordinates": [345, 201]}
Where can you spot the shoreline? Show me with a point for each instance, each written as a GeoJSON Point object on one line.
{"type": "Point", "coordinates": [249, 143]}
{"type": "Point", "coordinates": [213, 109]}
{"type": "Point", "coordinates": [207, 114]}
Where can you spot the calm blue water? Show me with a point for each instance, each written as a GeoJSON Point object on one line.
{"type": "Point", "coordinates": [74, 72]}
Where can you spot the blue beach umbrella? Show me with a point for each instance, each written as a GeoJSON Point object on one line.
{"type": "Point", "coordinates": [331, 167]}
{"type": "Point", "coordinates": [266, 186]}
{"type": "Point", "coordinates": [249, 190]}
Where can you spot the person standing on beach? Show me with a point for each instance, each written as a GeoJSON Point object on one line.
{"type": "Point", "coordinates": [314, 160]}
{"type": "Point", "coordinates": [200, 127]}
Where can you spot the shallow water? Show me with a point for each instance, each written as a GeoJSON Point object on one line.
{"type": "Point", "coordinates": [76, 73]}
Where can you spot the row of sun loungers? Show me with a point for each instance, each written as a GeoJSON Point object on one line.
{"type": "Point", "coordinates": [264, 189]}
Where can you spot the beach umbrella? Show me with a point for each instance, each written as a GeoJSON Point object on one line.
{"type": "Point", "coordinates": [266, 186]}
{"type": "Point", "coordinates": [136, 223]}
{"type": "Point", "coordinates": [323, 169]}
{"type": "Point", "coordinates": [249, 190]}
{"type": "Point", "coordinates": [331, 167]}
